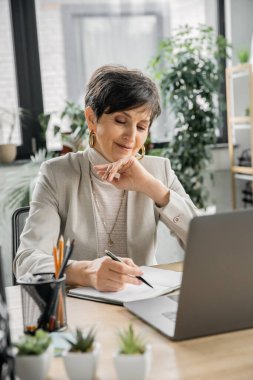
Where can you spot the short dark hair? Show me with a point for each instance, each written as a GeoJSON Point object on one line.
{"type": "Point", "coordinates": [114, 88]}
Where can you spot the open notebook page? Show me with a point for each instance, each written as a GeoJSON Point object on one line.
{"type": "Point", "coordinates": [163, 281]}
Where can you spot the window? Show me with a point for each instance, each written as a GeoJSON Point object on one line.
{"type": "Point", "coordinates": [8, 92]}
{"type": "Point", "coordinates": [76, 38]}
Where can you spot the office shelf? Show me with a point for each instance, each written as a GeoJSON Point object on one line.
{"type": "Point", "coordinates": [240, 120]}
{"type": "Point", "coordinates": [242, 170]}
{"type": "Point", "coordinates": [235, 123]}
{"type": "Point", "coordinates": [244, 177]}
{"type": "Point", "coordinates": [241, 127]}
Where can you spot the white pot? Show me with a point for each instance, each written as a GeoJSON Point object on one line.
{"type": "Point", "coordinates": [129, 367]}
{"type": "Point", "coordinates": [31, 367]}
{"type": "Point", "coordinates": [82, 365]}
{"type": "Point", "coordinates": [8, 152]}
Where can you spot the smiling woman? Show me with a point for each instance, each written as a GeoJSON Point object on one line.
{"type": "Point", "coordinates": [108, 197]}
{"type": "Point", "coordinates": [120, 134]}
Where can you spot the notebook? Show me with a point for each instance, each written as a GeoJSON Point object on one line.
{"type": "Point", "coordinates": [163, 282]}
{"type": "Point", "coordinates": [217, 283]}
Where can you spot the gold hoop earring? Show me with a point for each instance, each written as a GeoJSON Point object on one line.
{"type": "Point", "coordinates": [92, 139]}
{"type": "Point", "coordinates": [143, 151]}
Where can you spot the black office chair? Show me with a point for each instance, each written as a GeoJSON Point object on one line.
{"type": "Point", "coordinates": [18, 222]}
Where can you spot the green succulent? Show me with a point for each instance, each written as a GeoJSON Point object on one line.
{"type": "Point", "coordinates": [82, 342]}
{"type": "Point", "coordinates": [33, 344]}
{"type": "Point", "coordinates": [130, 342]}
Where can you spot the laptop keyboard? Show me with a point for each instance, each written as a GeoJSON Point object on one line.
{"type": "Point", "coordinates": [172, 315]}
{"type": "Point", "coordinates": [174, 297]}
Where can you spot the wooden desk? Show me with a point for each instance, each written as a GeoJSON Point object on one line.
{"type": "Point", "coordinates": [219, 357]}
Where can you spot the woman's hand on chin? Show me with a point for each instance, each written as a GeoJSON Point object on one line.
{"type": "Point", "coordinates": [103, 274]}
{"type": "Point", "coordinates": [126, 174]}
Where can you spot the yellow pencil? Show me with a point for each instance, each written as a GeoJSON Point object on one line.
{"type": "Point", "coordinates": [56, 263]}
{"type": "Point", "coordinates": [61, 250]}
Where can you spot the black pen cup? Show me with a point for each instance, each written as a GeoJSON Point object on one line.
{"type": "Point", "coordinates": [43, 303]}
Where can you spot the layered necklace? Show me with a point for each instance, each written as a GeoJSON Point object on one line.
{"type": "Point", "coordinates": [108, 231]}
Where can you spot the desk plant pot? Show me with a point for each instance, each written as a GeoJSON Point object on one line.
{"type": "Point", "coordinates": [34, 356]}
{"type": "Point", "coordinates": [8, 153]}
{"type": "Point", "coordinates": [133, 360]}
{"type": "Point", "coordinates": [82, 358]}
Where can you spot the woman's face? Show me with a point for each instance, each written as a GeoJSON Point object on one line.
{"type": "Point", "coordinates": [119, 134]}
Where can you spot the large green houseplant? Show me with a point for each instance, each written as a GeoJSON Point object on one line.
{"type": "Point", "coordinates": [16, 188]}
{"type": "Point", "coordinates": [189, 72]}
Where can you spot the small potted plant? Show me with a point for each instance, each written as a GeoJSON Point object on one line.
{"type": "Point", "coordinates": [70, 125]}
{"type": "Point", "coordinates": [34, 356]}
{"type": "Point", "coordinates": [133, 359]}
{"type": "Point", "coordinates": [81, 359]}
{"type": "Point", "coordinates": [243, 55]}
{"type": "Point", "coordinates": [8, 122]}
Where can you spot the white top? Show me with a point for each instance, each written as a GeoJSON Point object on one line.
{"type": "Point", "coordinates": [109, 200]}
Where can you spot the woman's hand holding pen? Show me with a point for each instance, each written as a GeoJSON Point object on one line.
{"type": "Point", "coordinates": [103, 274]}
{"type": "Point", "coordinates": [128, 174]}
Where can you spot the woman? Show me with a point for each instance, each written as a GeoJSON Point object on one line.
{"type": "Point", "coordinates": [109, 196]}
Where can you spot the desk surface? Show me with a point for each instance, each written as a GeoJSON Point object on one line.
{"type": "Point", "coordinates": [219, 357]}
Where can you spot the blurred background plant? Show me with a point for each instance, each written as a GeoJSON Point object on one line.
{"type": "Point", "coordinates": [16, 190]}
{"type": "Point", "coordinates": [16, 187]}
{"type": "Point", "coordinates": [243, 55]}
{"type": "Point", "coordinates": [71, 126]}
{"type": "Point", "coordinates": [189, 72]}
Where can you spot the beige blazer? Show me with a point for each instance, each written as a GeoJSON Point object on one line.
{"type": "Point", "coordinates": [62, 204]}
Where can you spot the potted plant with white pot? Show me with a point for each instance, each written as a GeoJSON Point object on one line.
{"type": "Point", "coordinates": [34, 356]}
{"type": "Point", "coordinates": [8, 122]}
{"type": "Point", "coordinates": [82, 358]}
{"type": "Point", "coordinates": [133, 359]}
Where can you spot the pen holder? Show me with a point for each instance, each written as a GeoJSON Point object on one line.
{"type": "Point", "coordinates": [43, 303]}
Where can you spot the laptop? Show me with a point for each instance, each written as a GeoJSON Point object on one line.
{"type": "Point", "coordinates": [217, 284]}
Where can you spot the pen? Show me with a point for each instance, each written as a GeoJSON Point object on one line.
{"type": "Point", "coordinates": [48, 314]}
{"type": "Point", "coordinates": [116, 258]}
